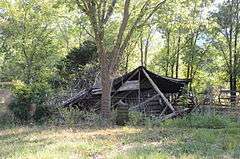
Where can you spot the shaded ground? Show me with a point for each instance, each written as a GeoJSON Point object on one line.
{"type": "Point", "coordinates": [124, 142]}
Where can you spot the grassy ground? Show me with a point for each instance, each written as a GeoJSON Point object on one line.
{"type": "Point", "coordinates": [168, 141]}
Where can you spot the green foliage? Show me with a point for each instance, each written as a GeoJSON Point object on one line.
{"type": "Point", "coordinates": [77, 59]}
{"type": "Point", "coordinates": [135, 118]}
{"type": "Point", "coordinates": [27, 95]}
{"type": "Point", "coordinates": [139, 119]}
{"type": "Point", "coordinates": [78, 69]}
{"type": "Point", "coordinates": [86, 53]}
{"type": "Point", "coordinates": [183, 100]}
{"type": "Point", "coordinates": [20, 105]}
{"type": "Point", "coordinates": [29, 47]}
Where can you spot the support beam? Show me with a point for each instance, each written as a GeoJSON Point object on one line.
{"type": "Point", "coordinates": [158, 91]}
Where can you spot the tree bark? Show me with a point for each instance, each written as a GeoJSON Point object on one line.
{"type": "Point", "coordinates": [168, 51]}
{"type": "Point", "coordinates": [126, 64]}
{"type": "Point", "coordinates": [141, 50]}
{"type": "Point", "coordinates": [178, 55]}
{"type": "Point", "coordinates": [106, 92]}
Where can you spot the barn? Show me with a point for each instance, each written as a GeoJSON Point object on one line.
{"type": "Point", "coordinates": [139, 90]}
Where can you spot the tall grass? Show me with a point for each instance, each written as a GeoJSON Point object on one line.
{"type": "Point", "coordinates": [193, 136]}
{"type": "Point", "coordinates": [203, 121]}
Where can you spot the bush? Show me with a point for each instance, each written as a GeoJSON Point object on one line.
{"type": "Point", "coordinates": [7, 119]}
{"type": "Point", "coordinates": [29, 98]}
{"type": "Point", "coordinates": [135, 118]}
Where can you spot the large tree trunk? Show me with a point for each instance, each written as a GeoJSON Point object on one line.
{"type": "Point", "coordinates": [235, 58]}
{"type": "Point", "coordinates": [146, 48]}
{"type": "Point", "coordinates": [106, 90]}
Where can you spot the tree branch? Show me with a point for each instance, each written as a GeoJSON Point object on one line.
{"type": "Point", "coordinates": [109, 11]}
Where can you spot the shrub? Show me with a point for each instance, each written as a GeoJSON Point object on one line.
{"type": "Point", "coordinates": [22, 100]}
{"type": "Point", "coordinates": [135, 118]}
{"type": "Point", "coordinates": [28, 97]}
{"type": "Point", "coordinates": [7, 119]}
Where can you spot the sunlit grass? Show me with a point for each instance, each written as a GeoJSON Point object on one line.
{"type": "Point", "coordinates": [119, 142]}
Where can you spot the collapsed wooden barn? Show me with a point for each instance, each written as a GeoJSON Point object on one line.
{"type": "Point", "coordinates": [139, 90]}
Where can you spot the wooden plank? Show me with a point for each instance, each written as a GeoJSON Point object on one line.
{"type": "Point", "coordinates": [129, 86]}
{"type": "Point", "coordinates": [146, 101]}
{"type": "Point", "coordinates": [112, 96]}
{"type": "Point", "coordinates": [121, 98]}
{"type": "Point", "coordinates": [163, 111]}
{"type": "Point", "coordinates": [158, 91]}
{"type": "Point", "coordinates": [134, 73]}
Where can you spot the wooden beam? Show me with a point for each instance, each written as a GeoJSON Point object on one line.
{"type": "Point", "coordinates": [158, 91]}
{"type": "Point", "coordinates": [146, 101]}
{"type": "Point", "coordinates": [174, 114]}
{"type": "Point", "coordinates": [134, 73]}
{"type": "Point", "coordinates": [163, 111]}
{"type": "Point", "coordinates": [139, 87]}
{"type": "Point", "coordinates": [122, 97]}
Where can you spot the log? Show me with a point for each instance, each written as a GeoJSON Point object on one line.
{"type": "Point", "coordinates": [174, 114]}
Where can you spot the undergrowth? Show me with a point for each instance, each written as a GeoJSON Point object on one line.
{"type": "Point", "coordinates": [203, 121]}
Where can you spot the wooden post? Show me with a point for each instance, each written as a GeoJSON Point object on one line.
{"type": "Point", "coordinates": [122, 113]}
{"type": "Point", "coordinates": [158, 91]}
